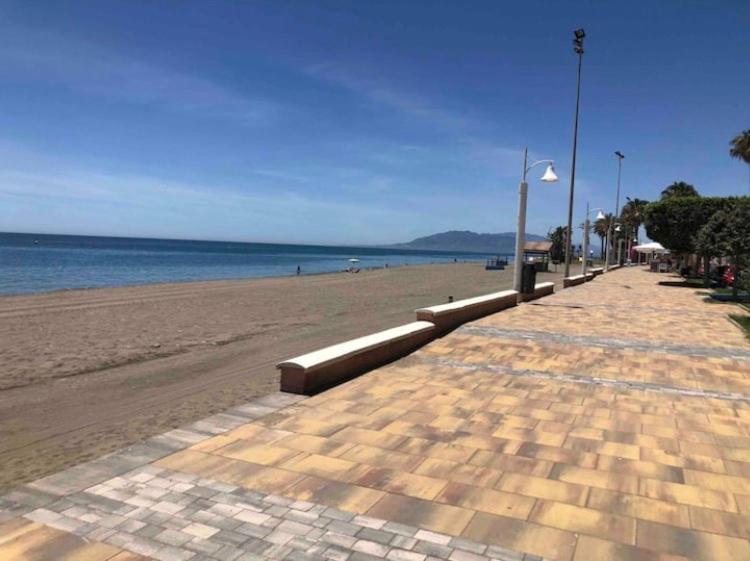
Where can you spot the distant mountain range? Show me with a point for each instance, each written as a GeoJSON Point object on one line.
{"type": "Point", "coordinates": [455, 240]}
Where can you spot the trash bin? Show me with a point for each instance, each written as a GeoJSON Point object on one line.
{"type": "Point", "coordinates": [528, 278]}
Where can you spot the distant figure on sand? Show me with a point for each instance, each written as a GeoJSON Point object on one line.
{"type": "Point", "coordinates": [298, 270]}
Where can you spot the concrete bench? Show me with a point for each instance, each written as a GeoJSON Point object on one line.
{"type": "Point", "coordinates": [589, 276]}
{"type": "Point", "coordinates": [449, 316]}
{"type": "Point", "coordinates": [318, 370]}
{"type": "Point", "coordinates": [573, 281]}
{"type": "Point", "coordinates": [597, 271]}
{"type": "Point", "coordinates": [540, 289]}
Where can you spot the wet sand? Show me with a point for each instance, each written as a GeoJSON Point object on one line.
{"type": "Point", "coordinates": [86, 372]}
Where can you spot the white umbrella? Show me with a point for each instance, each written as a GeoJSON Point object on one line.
{"type": "Point", "coordinates": [653, 247]}
{"type": "Point", "coordinates": [353, 260]}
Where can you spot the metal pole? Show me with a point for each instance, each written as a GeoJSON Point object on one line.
{"type": "Point", "coordinates": [578, 42]}
{"type": "Point", "coordinates": [585, 241]}
{"type": "Point", "coordinates": [521, 226]}
{"type": "Point", "coordinates": [617, 198]}
{"type": "Point", "coordinates": [606, 248]}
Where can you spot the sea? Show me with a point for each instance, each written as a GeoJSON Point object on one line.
{"type": "Point", "coordinates": [31, 263]}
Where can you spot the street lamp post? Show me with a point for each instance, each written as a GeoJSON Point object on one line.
{"type": "Point", "coordinates": [578, 36]}
{"type": "Point", "coordinates": [586, 228]}
{"type": "Point", "coordinates": [620, 158]}
{"type": "Point", "coordinates": [523, 189]}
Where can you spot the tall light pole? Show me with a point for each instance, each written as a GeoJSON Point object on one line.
{"type": "Point", "coordinates": [586, 228]}
{"type": "Point", "coordinates": [523, 190]}
{"type": "Point", "coordinates": [578, 36]}
{"type": "Point", "coordinates": [620, 158]}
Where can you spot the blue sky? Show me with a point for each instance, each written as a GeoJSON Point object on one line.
{"type": "Point", "coordinates": [356, 122]}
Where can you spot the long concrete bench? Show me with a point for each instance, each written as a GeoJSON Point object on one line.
{"type": "Point", "coordinates": [589, 276]}
{"type": "Point", "coordinates": [449, 316]}
{"type": "Point", "coordinates": [540, 289]}
{"type": "Point", "coordinates": [573, 281]}
{"type": "Point", "coordinates": [318, 370]}
{"type": "Point", "coordinates": [597, 271]}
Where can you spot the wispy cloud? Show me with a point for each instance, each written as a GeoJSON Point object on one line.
{"type": "Point", "coordinates": [380, 93]}
{"type": "Point", "coordinates": [90, 70]}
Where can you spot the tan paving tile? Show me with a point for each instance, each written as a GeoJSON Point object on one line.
{"type": "Point", "coordinates": [426, 514]}
{"type": "Point", "coordinates": [324, 466]}
{"type": "Point", "coordinates": [547, 542]}
{"type": "Point", "coordinates": [352, 498]}
{"type": "Point", "coordinates": [595, 549]}
{"type": "Point", "coordinates": [690, 543]}
{"type": "Point", "coordinates": [269, 480]}
{"type": "Point", "coordinates": [640, 507]}
{"type": "Point", "coordinates": [315, 444]}
{"type": "Point", "coordinates": [459, 472]}
{"type": "Point", "coordinates": [588, 521]}
{"type": "Point", "coordinates": [508, 463]}
{"type": "Point", "coordinates": [21, 540]}
{"type": "Point", "coordinates": [717, 522]}
{"type": "Point", "coordinates": [264, 454]}
{"type": "Point", "coordinates": [595, 478]}
{"type": "Point", "coordinates": [543, 488]}
{"type": "Point", "coordinates": [374, 456]}
{"type": "Point", "coordinates": [403, 483]}
{"type": "Point", "coordinates": [487, 500]}
{"type": "Point", "coordinates": [688, 495]}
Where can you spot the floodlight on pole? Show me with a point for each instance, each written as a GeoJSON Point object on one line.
{"type": "Point", "coordinates": [620, 158]}
{"type": "Point", "coordinates": [578, 36]}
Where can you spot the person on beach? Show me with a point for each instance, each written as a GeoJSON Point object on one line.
{"type": "Point", "coordinates": [299, 270]}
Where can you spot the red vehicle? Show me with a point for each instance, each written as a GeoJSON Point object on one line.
{"type": "Point", "coordinates": [727, 278]}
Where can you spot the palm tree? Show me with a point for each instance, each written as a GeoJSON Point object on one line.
{"type": "Point", "coordinates": [558, 238]}
{"type": "Point", "coordinates": [601, 228]}
{"type": "Point", "coordinates": [740, 148]}
{"type": "Point", "coordinates": [632, 214]}
{"type": "Point", "coordinates": [679, 189]}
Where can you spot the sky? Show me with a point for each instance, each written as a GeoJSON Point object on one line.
{"type": "Point", "coordinates": [357, 122]}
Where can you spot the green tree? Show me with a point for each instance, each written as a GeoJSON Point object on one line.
{"type": "Point", "coordinates": [632, 215]}
{"type": "Point", "coordinates": [679, 189]}
{"type": "Point", "coordinates": [727, 234]}
{"type": "Point", "coordinates": [557, 236]}
{"type": "Point", "coordinates": [674, 221]}
{"type": "Point", "coordinates": [740, 146]}
{"type": "Point", "coordinates": [601, 228]}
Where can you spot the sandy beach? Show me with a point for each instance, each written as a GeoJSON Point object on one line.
{"type": "Point", "coordinates": [86, 372]}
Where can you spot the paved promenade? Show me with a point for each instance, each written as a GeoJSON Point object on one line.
{"type": "Point", "coordinates": [610, 421]}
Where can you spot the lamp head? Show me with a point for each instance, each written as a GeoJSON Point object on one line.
{"type": "Point", "coordinates": [578, 36]}
{"type": "Point", "coordinates": [619, 155]}
{"type": "Point", "coordinates": [550, 176]}
{"type": "Point", "coordinates": [600, 215]}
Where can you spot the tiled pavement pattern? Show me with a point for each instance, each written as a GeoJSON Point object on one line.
{"type": "Point", "coordinates": [178, 516]}
{"type": "Point", "coordinates": [463, 451]}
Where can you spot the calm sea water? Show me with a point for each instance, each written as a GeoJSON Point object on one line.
{"type": "Point", "coordinates": [40, 263]}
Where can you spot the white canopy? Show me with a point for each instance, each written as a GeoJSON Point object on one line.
{"type": "Point", "coordinates": [653, 247]}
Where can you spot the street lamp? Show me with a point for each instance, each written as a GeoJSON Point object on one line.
{"type": "Point", "coordinates": [620, 158]}
{"type": "Point", "coordinates": [578, 36]}
{"type": "Point", "coordinates": [523, 189]}
{"type": "Point", "coordinates": [586, 228]}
